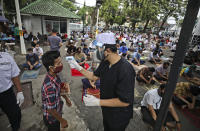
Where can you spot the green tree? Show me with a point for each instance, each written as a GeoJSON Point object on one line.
{"type": "Point", "coordinates": [108, 11]}
{"type": "Point", "coordinates": [69, 4]}
{"type": "Point", "coordinates": [170, 8]}
{"type": "Point", "coordinates": [150, 11]}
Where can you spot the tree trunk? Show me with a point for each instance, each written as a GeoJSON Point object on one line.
{"type": "Point", "coordinates": [165, 19]}
{"type": "Point", "coordinates": [93, 20]}
{"type": "Point", "coordinates": [133, 25]}
{"type": "Point", "coordinates": [146, 25]}
{"type": "Point", "coordinates": [107, 26]}
{"type": "Point", "coordinates": [2, 8]}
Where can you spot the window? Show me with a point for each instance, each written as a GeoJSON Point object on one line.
{"type": "Point", "coordinates": [56, 26]}
{"type": "Point", "coordinates": [48, 26]}
{"type": "Point", "coordinates": [63, 27]}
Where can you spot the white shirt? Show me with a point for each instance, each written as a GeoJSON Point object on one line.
{"type": "Point", "coordinates": [124, 40]}
{"type": "Point", "coordinates": [173, 47]}
{"type": "Point", "coordinates": [152, 98]}
{"type": "Point", "coordinates": [8, 70]}
{"type": "Point", "coordinates": [153, 46]}
{"type": "Point", "coordinates": [161, 70]}
{"type": "Point", "coordinates": [38, 52]}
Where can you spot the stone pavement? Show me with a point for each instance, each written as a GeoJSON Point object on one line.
{"type": "Point", "coordinates": [79, 117]}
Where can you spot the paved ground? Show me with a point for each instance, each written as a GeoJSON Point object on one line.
{"type": "Point", "coordinates": [80, 117]}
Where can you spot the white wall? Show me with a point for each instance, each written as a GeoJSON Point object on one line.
{"type": "Point", "coordinates": [36, 24]}
{"type": "Point", "coordinates": [32, 24]}
{"type": "Point", "coordinates": [26, 21]}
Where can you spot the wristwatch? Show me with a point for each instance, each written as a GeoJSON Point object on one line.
{"type": "Point", "coordinates": [178, 122]}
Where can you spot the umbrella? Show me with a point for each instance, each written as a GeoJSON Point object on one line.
{"type": "Point", "coordinates": [3, 19]}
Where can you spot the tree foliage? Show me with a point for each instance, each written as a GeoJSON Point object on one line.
{"type": "Point", "coordinates": [145, 12]}
{"type": "Point", "coordinates": [170, 8]}
{"type": "Point", "coordinates": [109, 12]}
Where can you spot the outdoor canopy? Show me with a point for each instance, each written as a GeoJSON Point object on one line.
{"type": "Point", "coordinates": [3, 19]}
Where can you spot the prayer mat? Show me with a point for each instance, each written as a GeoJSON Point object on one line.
{"type": "Point", "coordinates": [75, 72]}
{"type": "Point", "coordinates": [28, 94]}
{"type": "Point", "coordinates": [165, 58]}
{"type": "Point", "coordinates": [30, 74]}
{"type": "Point", "coordinates": [144, 58]}
{"type": "Point", "coordinates": [146, 52]}
{"type": "Point", "coordinates": [192, 115]}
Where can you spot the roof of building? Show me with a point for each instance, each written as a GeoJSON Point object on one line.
{"type": "Point", "coordinates": [48, 8]}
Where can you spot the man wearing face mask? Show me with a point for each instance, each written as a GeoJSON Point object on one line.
{"type": "Point", "coordinates": [32, 61]}
{"type": "Point", "coordinates": [117, 80]}
{"type": "Point", "coordinates": [52, 90]}
{"type": "Point", "coordinates": [150, 106]}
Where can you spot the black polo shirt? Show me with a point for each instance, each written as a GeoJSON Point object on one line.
{"type": "Point", "coordinates": [117, 81]}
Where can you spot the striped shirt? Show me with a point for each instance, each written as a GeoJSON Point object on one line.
{"type": "Point", "coordinates": [51, 98]}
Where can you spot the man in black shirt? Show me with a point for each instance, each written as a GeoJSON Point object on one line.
{"type": "Point", "coordinates": [117, 80]}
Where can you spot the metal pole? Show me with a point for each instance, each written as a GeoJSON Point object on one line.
{"type": "Point", "coordinates": [97, 25]}
{"type": "Point", "coordinates": [84, 20]}
{"type": "Point", "coordinates": [2, 8]}
{"type": "Point", "coordinates": [186, 32]}
{"type": "Point", "coordinates": [23, 49]}
{"type": "Point", "coordinates": [42, 25]}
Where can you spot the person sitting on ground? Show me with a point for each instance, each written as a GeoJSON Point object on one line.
{"type": "Point", "coordinates": [188, 73]}
{"type": "Point", "coordinates": [154, 58]}
{"type": "Point", "coordinates": [150, 107]}
{"type": "Point", "coordinates": [145, 75]}
{"type": "Point", "coordinates": [70, 42]}
{"type": "Point", "coordinates": [86, 51]}
{"type": "Point", "coordinates": [71, 50]}
{"type": "Point", "coordinates": [34, 42]}
{"type": "Point", "coordinates": [152, 47]}
{"type": "Point", "coordinates": [32, 61]}
{"type": "Point", "coordinates": [123, 50]}
{"type": "Point", "coordinates": [38, 50]}
{"type": "Point", "coordinates": [190, 58]}
{"type": "Point", "coordinates": [80, 57]}
{"type": "Point", "coordinates": [161, 73]}
{"type": "Point", "coordinates": [185, 95]}
{"type": "Point", "coordinates": [137, 58]}
{"type": "Point", "coordinates": [83, 41]}
{"type": "Point", "coordinates": [158, 49]}
{"type": "Point", "coordinates": [173, 47]}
